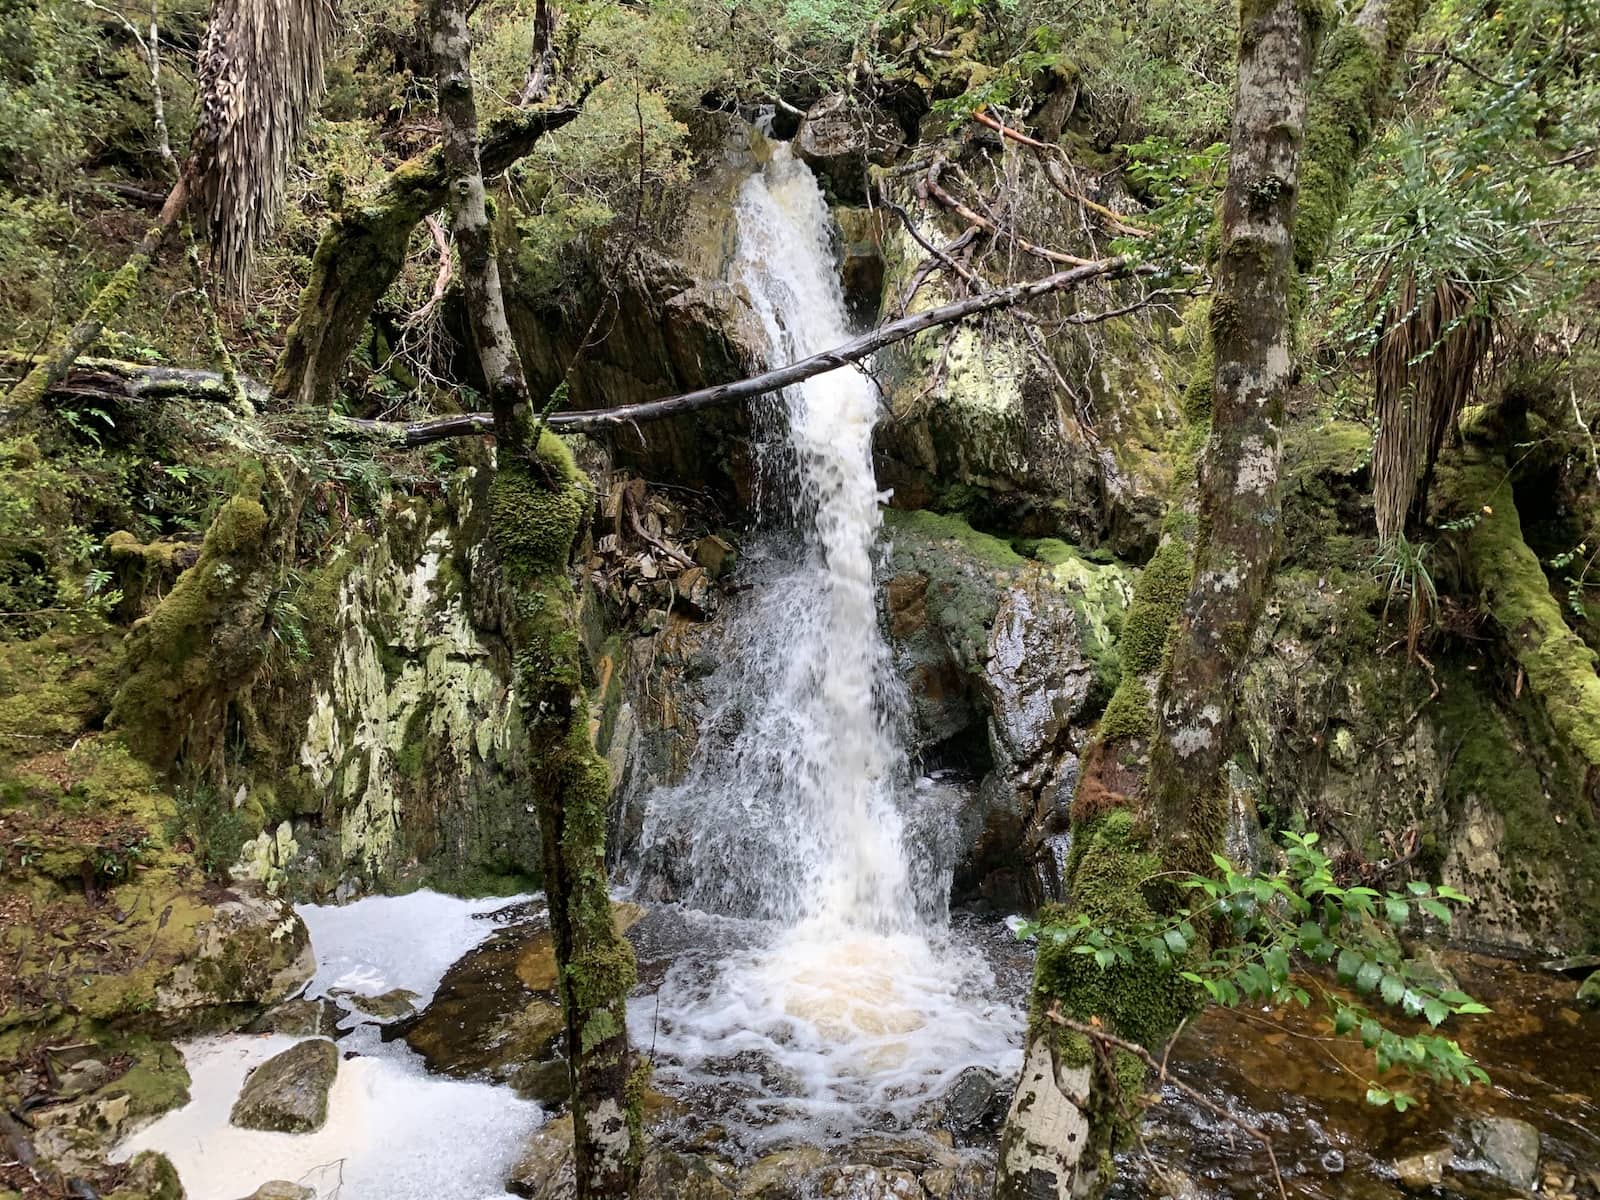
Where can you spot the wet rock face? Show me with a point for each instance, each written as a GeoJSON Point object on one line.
{"type": "Point", "coordinates": [301, 1018]}
{"type": "Point", "coordinates": [289, 1092]}
{"type": "Point", "coordinates": [496, 1014]}
{"type": "Point", "coordinates": [1509, 1149]}
{"type": "Point", "coordinates": [911, 1167]}
{"type": "Point", "coordinates": [1006, 661]}
{"type": "Point", "coordinates": [840, 137]}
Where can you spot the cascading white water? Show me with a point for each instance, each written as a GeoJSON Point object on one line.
{"type": "Point", "coordinates": [799, 809]}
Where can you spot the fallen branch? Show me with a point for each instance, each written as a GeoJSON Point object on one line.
{"type": "Point", "coordinates": [1101, 1037]}
{"type": "Point", "coordinates": [974, 218]}
{"type": "Point", "coordinates": [419, 433]}
{"type": "Point", "coordinates": [1052, 156]}
{"type": "Point", "coordinates": [103, 378]}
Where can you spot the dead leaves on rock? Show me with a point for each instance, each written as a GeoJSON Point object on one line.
{"type": "Point", "coordinates": [653, 556]}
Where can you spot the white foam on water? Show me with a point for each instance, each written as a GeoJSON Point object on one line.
{"type": "Point", "coordinates": [800, 808]}
{"type": "Point", "coordinates": [394, 1131]}
{"type": "Point", "coordinates": [384, 942]}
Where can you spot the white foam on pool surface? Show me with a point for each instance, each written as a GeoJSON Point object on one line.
{"type": "Point", "coordinates": [386, 942]}
{"type": "Point", "coordinates": [832, 1030]}
{"type": "Point", "coordinates": [394, 1130]}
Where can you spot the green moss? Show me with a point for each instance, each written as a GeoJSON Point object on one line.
{"type": "Point", "coordinates": [1112, 871]}
{"type": "Point", "coordinates": [1129, 714]}
{"type": "Point", "coordinates": [929, 526]}
{"type": "Point", "coordinates": [1559, 666]}
{"type": "Point", "coordinates": [205, 635]}
{"type": "Point", "coordinates": [1158, 596]}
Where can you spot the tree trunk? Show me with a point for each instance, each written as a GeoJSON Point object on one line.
{"type": "Point", "coordinates": [1068, 1114]}
{"type": "Point", "coordinates": [1064, 1114]}
{"type": "Point", "coordinates": [362, 251]}
{"type": "Point", "coordinates": [1237, 540]}
{"type": "Point", "coordinates": [537, 504]}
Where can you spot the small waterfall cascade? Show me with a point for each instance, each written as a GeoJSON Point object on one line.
{"type": "Point", "coordinates": [799, 829]}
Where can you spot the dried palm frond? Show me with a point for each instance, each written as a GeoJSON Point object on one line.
{"type": "Point", "coordinates": [260, 80]}
{"type": "Point", "coordinates": [1430, 351]}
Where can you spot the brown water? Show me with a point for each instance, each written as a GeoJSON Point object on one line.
{"type": "Point", "coordinates": [1283, 1072]}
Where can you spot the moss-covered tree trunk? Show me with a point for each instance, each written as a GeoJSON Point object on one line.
{"type": "Point", "coordinates": [536, 508]}
{"type": "Point", "coordinates": [57, 358]}
{"type": "Point", "coordinates": [1239, 511]}
{"type": "Point", "coordinates": [364, 247]}
{"type": "Point", "coordinates": [1195, 603]}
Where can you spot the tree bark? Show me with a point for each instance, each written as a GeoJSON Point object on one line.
{"type": "Point", "coordinates": [362, 251]}
{"type": "Point", "coordinates": [1064, 1115]}
{"type": "Point", "coordinates": [1251, 335]}
{"type": "Point", "coordinates": [537, 505]}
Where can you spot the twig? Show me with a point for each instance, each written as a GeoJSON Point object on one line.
{"type": "Point", "coordinates": [1101, 1037]}
{"type": "Point", "coordinates": [1048, 154]}
{"type": "Point", "coordinates": [967, 214]}
{"type": "Point", "coordinates": [441, 281]}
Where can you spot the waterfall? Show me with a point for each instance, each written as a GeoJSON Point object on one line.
{"type": "Point", "coordinates": [837, 981]}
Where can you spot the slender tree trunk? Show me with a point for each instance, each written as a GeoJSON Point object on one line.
{"type": "Point", "coordinates": [1068, 1115]}
{"type": "Point", "coordinates": [537, 505]}
{"type": "Point", "coordinates": [1139, 772]}
{"type": "Point", "coordinates": [1251, 345]}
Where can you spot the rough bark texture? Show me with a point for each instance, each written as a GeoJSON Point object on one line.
{"type": "Point", "coordinates": [1221, 531]}
{"type": "Point", "coordinates": [537, 504]}
{"type": "Point", "coordinates": [1251, 334]}
{"type": "Point", "coordinates": [1067, 1086]}
{"type": "Point", "coordinates": [365, 245]}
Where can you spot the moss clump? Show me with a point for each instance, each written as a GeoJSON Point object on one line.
{"type": "Point", "coordinates": [203, 639]}
{"type": "Point", "coordinates": [1112, 871]}
{"type": "Point", "coordinates": [992, 551]}
{"type": "Point", "coordinates": [1158, 596]}
{"type": "Point", "coordinates": [1560, 667]}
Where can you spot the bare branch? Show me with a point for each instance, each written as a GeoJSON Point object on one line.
{"type": "Point", "coordinates": [1101, 1037]}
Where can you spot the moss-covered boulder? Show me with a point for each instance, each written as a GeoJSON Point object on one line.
{"type": "Point", "coordinates": [289, 1092]}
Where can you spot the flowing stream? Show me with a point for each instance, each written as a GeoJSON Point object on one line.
{"type": "Point", "coordinates": [834, 986]}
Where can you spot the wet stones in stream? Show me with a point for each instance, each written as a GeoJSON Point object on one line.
{"type": "Point", "coordinates": [289, 1092]}
{"type": "Point", "coordinates": [301, 1018]}
{"type": "Point", "coordinates": [880, 1167]}
{"type": "Point", "coordinates": [496, 1015]}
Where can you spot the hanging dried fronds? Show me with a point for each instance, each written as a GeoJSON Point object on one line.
{"type": "Point", "coordinates": [260, 80]}
{"type": "Point", "coordinates": [1429, 354]}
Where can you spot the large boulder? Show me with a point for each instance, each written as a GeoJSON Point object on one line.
{"type": "Point", "coordinates": [496, 1014]}
{"type": "Point", "coordinates": [250, 949]}
{"type": "Point", "coordinates": [840, 137]}
{"type": "Point", "coordinates": [289, 1092]}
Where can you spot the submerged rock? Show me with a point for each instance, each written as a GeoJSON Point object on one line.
{"type": "Point", "coordinates": [282, 1189]}
{"type": "Point", "coordinates": [781, 1175]}
{"type": "Point", "coordinates": [301, 1018]}
{"type": "Point", "coordinates": [1423, 1169]}
{"type": "Point", "coordinates": [1509, 1149]}
{"type": "Point", "coordinates": [546, 1170]}
{"type": "Point", "coordinates": [289, 1092]}
{"type": "Point", "coordinates": [394, 1005]}
{"type": "Point", "coordinates": [858, 1181]}
{"type": "Point", "coordinates": [1589, 993]}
